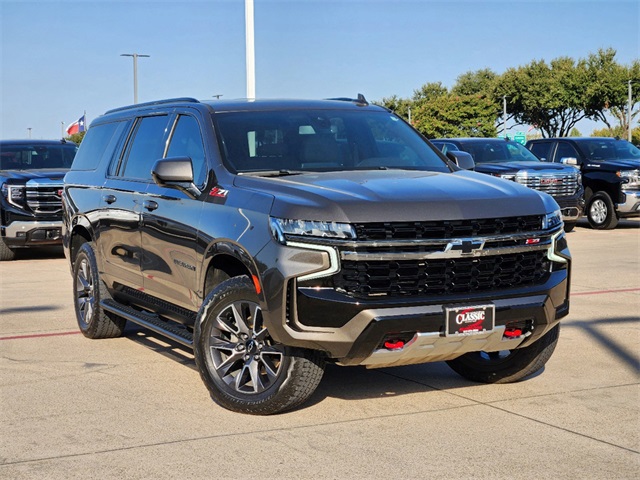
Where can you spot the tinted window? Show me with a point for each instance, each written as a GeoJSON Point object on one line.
{"type": "Point", "coordinates": [541, 150]}
{"type": "Point", "coordinates": [99, 142]}
{"type": "Point", "coordinates": [322, 140]}
{"type": "Point", "coordinates": [186, 141]}
{"type": "Point", "coordinates": [608, 149]}
{"type": "Point", "coordinates": [34, 156]}
{"type": "Point", "coordinates": [565, 150]}
{"type": "Point", "coordinates": [146, 147]}
{"type": "Point", "coordinates": [497, 151]}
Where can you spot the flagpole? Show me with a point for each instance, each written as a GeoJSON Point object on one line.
{"type": "Point", "coordinates": [61, 129]}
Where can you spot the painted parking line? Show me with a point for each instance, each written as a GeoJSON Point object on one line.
{"type": "Point", "coordinates": [39, 335]}
{"type": "Point", "coordinates": [600, 292]}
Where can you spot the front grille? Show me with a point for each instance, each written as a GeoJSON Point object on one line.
{"type": "Point", "coordinates": [442, 230]}
{"type": "Point", "coordinates": [553, 184]}
{"type": "Point", "coordinates": [44, 199]}
{"type": "Point", "coordinates": [442, 276]}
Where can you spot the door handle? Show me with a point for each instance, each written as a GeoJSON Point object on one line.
{"type": "Point", "coordinates": [109, 199]}
{"type": "Point", "coordinates": [150, 205]}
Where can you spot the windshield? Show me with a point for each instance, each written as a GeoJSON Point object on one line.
{"type": "Point", "coordinates": [492, 151]}
{"type": "Point", "coordinates": [35, 157]}
{"type": "Point", "coordinates": [296, 140]}
{"type": "Point", "coordinates": [609, 149]}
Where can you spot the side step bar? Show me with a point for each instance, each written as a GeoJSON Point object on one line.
{"type": "Point", "coordinates": [150, 321]}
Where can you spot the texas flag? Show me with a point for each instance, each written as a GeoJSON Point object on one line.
{"type": "Point", "coordinates": [77, 126]}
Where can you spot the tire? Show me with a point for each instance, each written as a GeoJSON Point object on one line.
{"type": "Point", "coordinates": [6, 253]}
{"type": "Point", "coordinates": [601, 212]}
{"type": "Point", "coordinates": [507, 366]}
{"type": "Point", "coordinates": [88, 290]}
{"type": "Point", "coordinates": [568, 226]}
{"type": "Point", "coordinates": [243, 368]}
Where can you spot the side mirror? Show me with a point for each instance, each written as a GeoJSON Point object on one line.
{"type": "Point", "coordinates": [573, 161]}
{"type": "Point", "coordinates": [463, 159]}
{"type": "Point", "coordinates": [177, 173]}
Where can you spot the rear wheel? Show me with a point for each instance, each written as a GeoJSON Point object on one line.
{"type": "Point", "coordinates": [6, 253]}
{"type": "Point", "coordinates": [601, 212]}
{"type": "Point", "coordinates": [508, 365]}
{"type": "Point", "coordinates": [88, 290]}
{"type": "Point", "coordinates": [244, 369]}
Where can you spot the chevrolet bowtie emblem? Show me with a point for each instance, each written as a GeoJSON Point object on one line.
{"type": "Point", "coordinates": [466, 245]}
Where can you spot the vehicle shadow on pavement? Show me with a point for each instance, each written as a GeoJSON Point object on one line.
{"type": "Point", "coordinates": [34, 308]}
{"type": "Point", "coordinates": [629, 358]}
{"type": "Point", "coordinates": [623, 224]}
{"type": "Point", "coordinates": [356, 383]}
{"type": "Point", "coordinates": [41, 253]}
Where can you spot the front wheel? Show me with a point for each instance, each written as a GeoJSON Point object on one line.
{"type": "Point", "coordinates": [88, 290]}
{"type": "Point", "coordinates": [6, 253]}
{"type": "Point", "coordinates": [244, 369]}
{"type": "Point", "coordinates": [506, 366]}
{"type": "Point", "coordinates": [569, 226]}
{"type": "Point", "coordinates": [601, 212]}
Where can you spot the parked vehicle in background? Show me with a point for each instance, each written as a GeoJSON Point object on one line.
{"type": "Point", "coordinates": [275, 236]}
{"type": "Point", "coordinates": [610, 172]}
{"type": "Point", "coordinates": [31, 178]}
{"type": "Point", "coordinates": [512, 161]}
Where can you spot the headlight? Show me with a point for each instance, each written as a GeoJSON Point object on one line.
{"type": "Point", "coordinates": [630, 179]}
{"type": "Point", "coordinates": [14, 194]}
{"type": "Point", "coordinates": [506, 176]}
{"type": "Point", "coordinates": [552, 220]}
{"type": "Point", "coordinates": [280, 227]}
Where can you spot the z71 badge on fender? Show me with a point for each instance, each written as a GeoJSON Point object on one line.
{"type": "Point", "coordinates": [469, 320]}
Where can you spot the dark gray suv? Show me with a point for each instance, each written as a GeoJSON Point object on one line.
{"type": "Point", "coordinates": [275, 236]}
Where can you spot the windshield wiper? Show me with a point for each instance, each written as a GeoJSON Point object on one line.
{"type": "Point", "coordinates": [273, 173]}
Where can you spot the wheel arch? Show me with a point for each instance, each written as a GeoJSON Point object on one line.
{"type": "Point", "coordinates": [230, 258]}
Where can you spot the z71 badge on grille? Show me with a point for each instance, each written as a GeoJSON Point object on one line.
{"type": "Point", "coordinates": [469, 320]}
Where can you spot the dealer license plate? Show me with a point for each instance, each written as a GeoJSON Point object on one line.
{"type": "Point", "coordinates": [470, 319]}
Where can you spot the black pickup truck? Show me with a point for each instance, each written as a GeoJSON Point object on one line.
{"type": "Point", "coordinates": [275, 236]}
{"type": "Point", "coordinates": [610, 173]}
{"type": "Point", "coordinates": [31, 173]}
{"type": "Point", "coordinates": [510, 160]}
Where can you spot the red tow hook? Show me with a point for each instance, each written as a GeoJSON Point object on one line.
{"type": "Point", "coordinates": [393, 344]}
{"type": "Point", "coordinates": [512, 332]}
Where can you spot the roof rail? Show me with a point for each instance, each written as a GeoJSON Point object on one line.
{"type": "Point", "coordinates": [360, 100]}
{"type": "Point", "coordinates": [154, 103]}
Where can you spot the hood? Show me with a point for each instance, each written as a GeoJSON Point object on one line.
{"type": "Point", "coordinates": [612, 165]}
{"type": "Point", "coordinates": [513, 167]}
{"type": "Point", "coordinates": [22, 176]}
{"type": "Point", "coordinates": [396, 195]}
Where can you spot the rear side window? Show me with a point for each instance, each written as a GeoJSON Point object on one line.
{"type": "Point", "coordinates": [98, 143]}
{"type": "Point", "coordinates": [186, 141]}
{"type": "Point", "coordinates": [146, 147]}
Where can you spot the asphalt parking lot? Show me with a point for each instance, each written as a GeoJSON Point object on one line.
{"type": "Point", "coordinates": [135, 407]}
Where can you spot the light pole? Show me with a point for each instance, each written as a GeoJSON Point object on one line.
{"type": "Point", "coordinates": [250, 49]}
{"type": "Point", "coordinates": [629, 115]}
{"type": "Point", "coordinates": [29, 129]}
{"type": "Point", "coordinates": [504, 116]}
{"type": "Point", "coordinates": [135, 72]}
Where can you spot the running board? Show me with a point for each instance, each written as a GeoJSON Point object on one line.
{"type": "Point", "coordinates": [150, 321]}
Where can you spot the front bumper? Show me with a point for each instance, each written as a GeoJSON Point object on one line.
{"type": "Point", "coordinates": [352, 330]}
{"type": "Point", "coordinates": [32, 233]}
{"type": "Point", "coordinates": [572, 207]}
{"type": "Point", "coordinates": [631, 205]}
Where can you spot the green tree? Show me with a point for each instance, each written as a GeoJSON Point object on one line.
{"type": "Point", "coordinates": [618, 131]}
{"type": "Point", "coordinates": [480, 82]}
{"type": "Point", "coordinates": [549, 96]}
{"type": "Point", "coordinates": [451, 115]}
{"type": "Point", "coordinates": [76, 137]}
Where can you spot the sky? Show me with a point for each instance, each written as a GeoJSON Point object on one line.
{"type": "Point", "coordinates": [59, 59]}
